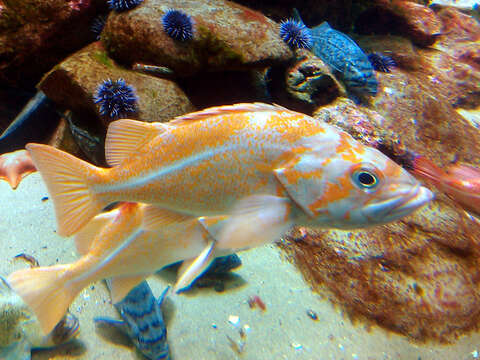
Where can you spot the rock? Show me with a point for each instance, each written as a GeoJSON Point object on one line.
{"type": "Point", "coordinates": [418, 106]}
{"type": "Point", "coordinates": [417, 277]}
{"type": "Point", "coordinates": [398, 48]}
{"type": "Point", "coordinates": [227, 36]}
{"type": "Point", "coordinates": [73, 83]}
{"type": "Point", "coordinates": [362, 123]}
{"type": "Point", "coordinates": [310, 81]}
{"type": "Point", "coordinates": [415, 21]}
{"type": "Point", "coordinates": [35, 35]}
{"type": "Point", "coordinates": [304, 84]}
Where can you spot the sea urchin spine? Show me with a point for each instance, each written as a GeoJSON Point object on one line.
{"type": "Point", "coordinates": [295, 34]}
{"type": "Point", "coordinates": [123, 5]}
{"type": "Point", "coordinates": [178, 25]}
{"type": "Point", "coordinates": [116, 98]}
{"type": "Point", "coordinates": [381, 62]}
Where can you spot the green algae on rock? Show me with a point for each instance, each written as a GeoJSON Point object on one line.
{"type": "Point", "coordinates": [226, 36]}
{"type": "Point", "coordinates": [72, 84]}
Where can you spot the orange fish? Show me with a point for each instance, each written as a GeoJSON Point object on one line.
{"type": "Point", "coordinates": [14, 166]}
{"type": "Point", "coordinates": [127, 244]}
{"type": "Point", "coordinates": [460, 182]}
{"type": "Point", "coordinates": [263, 166]}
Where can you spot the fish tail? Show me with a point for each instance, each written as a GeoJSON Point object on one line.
{"type": "Point", "coordinates": [47, 291]}
{"type": "Point", "coordinates": [426, 169]}
{"type": "Point", "coordinates": [68, 181]}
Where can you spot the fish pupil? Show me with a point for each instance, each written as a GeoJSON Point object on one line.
{"type": "Point", "coordinates": [366, 179]}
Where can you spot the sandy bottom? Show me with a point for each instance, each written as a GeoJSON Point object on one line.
{"type": "Point", "coordinates": [199, 321]}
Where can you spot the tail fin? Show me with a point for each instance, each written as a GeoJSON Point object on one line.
{"type": "Point", "coordinates": [46, 291]}
{"type": "Point", "coordinates": [427, 169]}
{"type": "Point", "coordinates": [67, 179]}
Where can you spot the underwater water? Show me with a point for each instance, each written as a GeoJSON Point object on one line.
{"type": "Point", "coordinates": [351, 204]}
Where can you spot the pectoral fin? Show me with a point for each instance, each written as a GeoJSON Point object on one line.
{"type": "Point", "coordinates": [255, 220]}
{"type": "Point", "coordinates": [162, 297]}
{"type": "Point", "coordinates": [193, 268]}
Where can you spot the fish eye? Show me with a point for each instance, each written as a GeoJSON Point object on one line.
{"type": "Point", "coordinates": [365, 179]}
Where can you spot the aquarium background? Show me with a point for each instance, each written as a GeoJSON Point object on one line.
{"type": "Point", "coordinates": [400, 76]}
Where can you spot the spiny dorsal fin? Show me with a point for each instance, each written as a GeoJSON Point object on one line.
{"type": "Point", "coordinates": [125, 136]}
{"type": "Point", "coordinates": [224, 110]}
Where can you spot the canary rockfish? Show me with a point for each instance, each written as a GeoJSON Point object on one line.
{"type": "Point", "coordinates": [251, 170]}
{"type": "Point", "coordinates": [127, 244]}
{"type": "Point", "coordinates": [266, 166]}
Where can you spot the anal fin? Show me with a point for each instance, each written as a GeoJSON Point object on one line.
{"type": "Point", "coordinates": [193, 268]}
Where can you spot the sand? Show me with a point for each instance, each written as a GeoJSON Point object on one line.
{"type": "Point", "coordinates": [198, 321]}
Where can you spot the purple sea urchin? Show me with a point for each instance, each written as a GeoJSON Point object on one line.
{"type": "Point", "coordinates": [381, 62]}
{"type": "Point", "coordinates": [295, 34]}
{"type": "Point", "coordinates": [97, 26]}
{"type": "Point", "coordinates": [116, 98]}
{"type": "Point", "coordinates": [123, 5]}
{"type": "Point", "coordinates": [178, 25]}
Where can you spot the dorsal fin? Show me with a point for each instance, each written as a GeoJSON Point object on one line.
{"type": "Point", "coordinates": [224, 110]}
{"type": "Point", "coordinates": [125, 136]}
{"type": "Point", "coordinates": [84, 238]}
{"type": "Point", "coordinates": [155, 218]}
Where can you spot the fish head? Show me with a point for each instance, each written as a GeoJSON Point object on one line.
{"type": "Point", "coordinates": [363, 187]}
{"type": "Point", "coordinates": [344, 184]}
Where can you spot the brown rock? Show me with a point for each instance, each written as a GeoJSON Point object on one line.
{"type": "Point", "coordinates": [398, 48]}
{"type": "Point", "coordinates": [73, 83]}
{"type": "Point", "coordinates": [418, 107]}
{"type": "Point", "coordinates": [417, 276]}
{"type": "Point", "coordinates": [227, 36]}
{"type": "Point", "coordinates": [362, 123]}
{"type": "Point", "coordinates": [415, 21]}
{"type": "Point", "coordinates": [310, 82]}
{"type": "Point", "coordinates": [35, 35]}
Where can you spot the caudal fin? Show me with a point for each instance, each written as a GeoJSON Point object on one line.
{"type": "Point", "coordinates": [67, 179]}
{"type": "Point", "coordinates": [46, 291]}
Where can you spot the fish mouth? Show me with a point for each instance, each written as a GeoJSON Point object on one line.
{"type": "Point", "coordinates": [406, 200]}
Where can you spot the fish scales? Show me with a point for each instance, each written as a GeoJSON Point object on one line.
{"type": "Point", "coordinates": [342, 54]}
{"type": "Point", "coordinates": [143, 321]}
{"type": "Point", "coordinates": [197, 166]}
{"type": "Point", "coordinates": [204, 163]}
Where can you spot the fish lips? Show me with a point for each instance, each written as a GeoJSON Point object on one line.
{"type": "Point", "coordinates": [405, 200]}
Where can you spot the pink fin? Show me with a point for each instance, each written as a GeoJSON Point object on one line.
{"type": "Point", "coordinates": [124, 137]}
{"type": "Point", "coordinates": [464, 172]}
{"type": "Point", "coordinates": [224, 110]}
{"type": "Point", "coordinates": [427, 169]}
